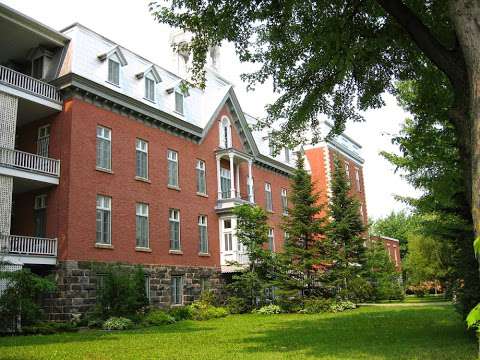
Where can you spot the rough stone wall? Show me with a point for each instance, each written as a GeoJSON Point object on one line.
{"type": "Point", "coordinates": [8, 121]}
{"type": "Point", "coordinates": [77, 286]}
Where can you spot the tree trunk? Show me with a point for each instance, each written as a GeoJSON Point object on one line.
{"type": "Point", "coordinates": [466, 18]}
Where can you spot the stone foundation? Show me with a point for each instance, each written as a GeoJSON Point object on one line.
{"type": "Point", "coordinates": [77, 286]}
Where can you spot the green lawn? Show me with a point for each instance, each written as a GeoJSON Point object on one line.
{"type": "Point", "coordinates": [429, 332]}
{"type": "Point", "coordinates": [411, 299]}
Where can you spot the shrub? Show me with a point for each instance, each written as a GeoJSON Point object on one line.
{"type": "Point", "coordinates": [315, 306]}
{"type": "Point", "coordinates": [236, 305]}
{"type": "Point", "coordinates": [202, 311]}
{"type": "Point", "coordinates": [342, 306]}
{"type": "Point", "coordinates": [208, 297]}
{"type": "Point", "coordinates": [268, 310]}
{"type": "Point", "coordinates": [22, 297]}
{"type": "Point", "coordinates": [46, 328]}
{"type": "Point", "coordinates": [361, 290]}
{"type": "Point", "coordinates": [290, 304]}
{"type": "Point", "coordinates": [180, 313]}
{"type": "Point", "coordinates": [117, 323]}
{"type": "Point", "coordinates": [123, 292]}
{"type": "Point", "coordinates": [158, 317]}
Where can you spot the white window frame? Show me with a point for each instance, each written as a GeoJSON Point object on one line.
{"type": "Point", "coordinates": [43, 139]}
{"type": "Point", "coordinates": [271, 239]}
{"type": "Point", "coordinates": [172, 157]}
{"type": "Point", "coordinates": [225, 193]}
{"type": "Point", "coordinates": [104, 204]}
{"type": "Point", "coordinates": [203, 229]}
{"type": "Point", "coordinates": [225, 129]}
{"type": "Point", "coordinates": [174, 218]}
{"type": "Point", "coordinates": [141, 146]}
{"type": "Point", "coordinates": [104, 134]}
{"type": "Point", "coordinates": [268, 197]}
{"type": "Point", "coordinates": [347, 171]}
{"type": "Point", "coordinates": [284, 200]}
{"type": "Point", "coordinates": [178, 95]}
{"type": "Point", "coordinates": [113, 59]}
{"type": "Point", "coordinates": [176, 287]}
{"type": "Point", "coordinates": [201, 169]}
{"type": "Point", "coordinates": [142, 210]}
{"type": "Point", "coordinates": [357, 179]}
{"type": "Point", "coordinates": [150, 87]}
{"type": "Point", "coordinates": [227, 235]}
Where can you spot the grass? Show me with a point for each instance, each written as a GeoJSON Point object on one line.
{"type": "Point", "coordinates": [429, 332]}
{"type": "Point", "coordinates": [413, 299]}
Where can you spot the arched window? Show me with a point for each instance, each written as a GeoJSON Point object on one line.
{"type": "Point", "coordinates": [225, 133]}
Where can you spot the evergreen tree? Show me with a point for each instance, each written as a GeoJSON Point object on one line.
{"type": "Point", "coordinates": [304, 249]}
{"type": "Point", "coordinates": [345, 232]}
{"type": "Point", "coordinates": [252, 233]}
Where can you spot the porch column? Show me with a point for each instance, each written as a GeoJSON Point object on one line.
{"type": "Point", "coordinates": [219, 181]}
{"type": "Point", "coordinates": [237, 175]}
{"type": "Point", "coordinates": [8, 122]}
{"type": "Point", "coordinates": [250, 182]}
{"type": "Point", "coordinates": [232, 178]}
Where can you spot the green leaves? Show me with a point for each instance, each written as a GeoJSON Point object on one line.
{"type": "Point", "coordinates": [473, 318]}
{"type": "Point", "coordinates": [476, 247]}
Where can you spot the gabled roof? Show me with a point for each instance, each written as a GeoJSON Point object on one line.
{"type": "Point", "coordinates": [115, 50]}
{"type": "Point", "coordinates": [152, 70]}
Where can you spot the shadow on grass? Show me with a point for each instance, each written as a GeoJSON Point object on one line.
{"type": "Point", "coordinates": [434, 333]}
{"type": "Point", "coordinates": [100, 335]}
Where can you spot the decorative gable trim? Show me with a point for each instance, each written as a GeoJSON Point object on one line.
{"type": "Point", "coordinates": [151, 70]}
{"type": "Point", "coordinates": [115, 50]}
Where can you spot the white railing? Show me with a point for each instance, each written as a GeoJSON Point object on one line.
{"type": "Point", "coordinates": [29, 84]}
{"type": "Point", "coordinates": [28, 161]}
{"type": "Point", "coordinates": [234, 257]}
{"type": "Point", "coordinates": [27, 245]}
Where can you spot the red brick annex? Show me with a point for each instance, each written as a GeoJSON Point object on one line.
{"type": "Point", "coordinates": [105, 158]}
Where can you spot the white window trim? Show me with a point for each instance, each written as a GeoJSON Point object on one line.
{"type": "Point", "coordinates": [105, 205]}
{"type": "Point", "coordinates": [202, 167]}
{"type": "Point", "coordinates": [284, 195]}
{"type": "Point", "coordinates": [114, 58]}
{"type": "Point", "coordinates": [149, 77]}
{"type": "Point", "coordinates": [268, 190]}
{"type": "Point", "coordinates": [225, 123]}
{"type": "Point", "coordinates": [105, 134]}
{"type": "Point", "coordinates": [203, 222]}
{"type": "Point", "coordinates": [271, 235]}
{"type": "Point", "coordinates": [172, 156]}
{"type": "Point", "coordinates": [177, 92]}
{"type": "Point", "coordinates": [142, 146]}
{"type": "Point", "coordinates": [174, 216]}
{"type": "Point", "coordinates": [142, 209]}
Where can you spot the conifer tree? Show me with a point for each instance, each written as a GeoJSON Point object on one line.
{"type": "Point", "coordinates": [345, 232]}
{"type": "Point", "coordinates": [304, 250]}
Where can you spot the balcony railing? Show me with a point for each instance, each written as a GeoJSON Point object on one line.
{"type": "Point", "coordinates": [26, 245]}
{"type": "Point", "coordinates": [235, 257]}
{"type": "Point", "coordinates": [29, 84]}
{"type": "Point", "coordinates": [23, 160]}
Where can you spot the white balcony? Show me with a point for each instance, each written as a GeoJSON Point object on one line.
{"type": "Point", "coordinates": [233, 261]}
{"type": "Point", "coordinates": [28, 250]}
{"type": "Point", "coordinates": [29, 166]}
{"type": "Point", "coordinates": [25, 86]}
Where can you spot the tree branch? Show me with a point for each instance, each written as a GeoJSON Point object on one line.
{"type": "Point", "coordinates": [450, 62]}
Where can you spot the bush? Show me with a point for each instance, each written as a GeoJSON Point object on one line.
{"type": "Point", "coordinates": [268, 310]}
{"type": "Point", "coordinates": [202, 311]}
{"type": "Point", "coordinates": [180, 313]}
{"type": "Point", "coordinates": [342, 306]}
{"type": "Point", "coordinates": [158, 317]}
{"type": "Point", "coordinates": [361, 290]}
{"type": "Point", "coordinates": [123, 292]}
{"type": "Point", "coordinates": [316, 306]}
{"type": "Point", "coordinates": [290, 304]}
{"type": "Point", "coordinates": [117, 323]}
{"type": "Point", "coordinates": [22, 297]}
{"type": "Point", "coordinates": [236, 305]}
{"type": "Point", "coordinates": [46, 328]}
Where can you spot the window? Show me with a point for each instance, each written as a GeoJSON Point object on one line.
{"type": "Point", "coordinates": [287, 155]}
{"type": "Point", "coordinates": [225, 133]}
{"type": "Point", "coordinates": [177, 290]}
{"type": "Point", "coordinates": [271, 240]}
{"type": "Point", "coordinates": [203, 232]}
{"type": "Point", "coordinates": [142, 225]}
{"type": "Point", "coordinates": [357, 179]}
{"type": "Point", "coordinates": [104, 148]}
{"type": "Point", "coordinates": [347, 171]}
{"type": "Point", "coordinates": [174, 221]}
{"type": "Point", "coordinates": [149, 88]}
{"type": "Point", "coordinates": [227, 235]}
{"type": "Point", "coordinates": [104, 220]}
{"type": "Point", "coordinates": [147, 288]}
{"type": "Point", "coordinates": [43, 139]}
{"type": "Point", "coordinates": [37, 68]}
{"type": "Point", "coordinates": [113, 71]}
{"type": "Point", "coordinates": [172, 168]}
{"type": "Point", "coordinates": [201, 177]}
{"type": "Point", "coordinates": [225, 183]}
{"type": "Point", "coordinates": [268, 197]}
{"type": "Point", "coordinates": [179, 102]}
{"type": "Point", "coordinates": [284, 198]}
{"type": "Point", "coordinates": [142, 159]}
{"type": "Point", "coordinates": [40, 215]}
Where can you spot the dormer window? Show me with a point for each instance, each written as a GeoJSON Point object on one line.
{"type": "Point", "coordinates": [179, 102]}
{"type": "Point", "coordinates": [113, 71]}
{"type": "Point", "coordinates": [225, 133]}
{"type": "Point", "coordinates": [149, 88]}
{"type": "Point", "coordinates": [151, 78]}
{"type": "Point", "coordinates": [115, 60]}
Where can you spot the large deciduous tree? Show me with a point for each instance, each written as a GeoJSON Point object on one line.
{"type": "Point", "coordinates": [336, 57]}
